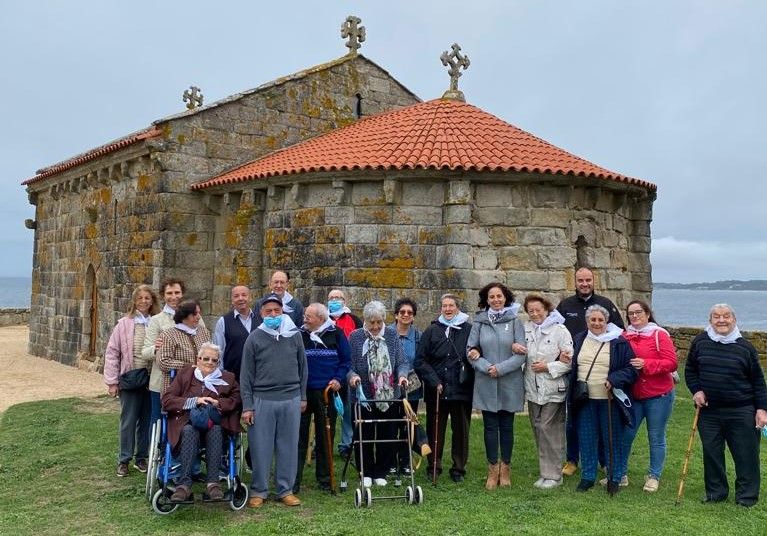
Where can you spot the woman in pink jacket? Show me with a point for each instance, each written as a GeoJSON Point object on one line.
{"type": "Point", "coordinates": [653, 392]}
{"type": "Point", "coordinates": [123, 355]}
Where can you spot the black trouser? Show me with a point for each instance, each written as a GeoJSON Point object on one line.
{"type": "Point", "coordinates": [314, 408]}
{"type": "Point", "coordinates": [459, 412]}
{"type": "Point", "coordinates": [378, 458]}
{"type": "Point", "coordinates": [499, 430]}
{"type": "Point", "coordinates": [189, 446]}
{"type": "Point", "coordinates": [737, 428]}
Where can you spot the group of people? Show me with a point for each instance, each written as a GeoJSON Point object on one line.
{"type": "Point", "coordinates": [588, 382]}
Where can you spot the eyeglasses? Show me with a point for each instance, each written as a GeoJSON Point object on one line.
{"type": "Point", "coordinates": [213, 360]}
{"type": "Point", "coordinates": [405, 312]}
{"type": "Point", "coordinates": [635, 313]}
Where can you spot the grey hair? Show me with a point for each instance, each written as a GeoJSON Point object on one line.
{"type": "Point", "coordinates": [320, 309]}
{"type": "Point", "coordinates": [453, 297]}
{"type": "Point", "coordinates": [209, 346]}
{"type": "Point", "coordinates": [721, 306]}
{"type": "Point", "coordinates": [374, 310]}
{"type": "Point", "coordinates": [598, 309]}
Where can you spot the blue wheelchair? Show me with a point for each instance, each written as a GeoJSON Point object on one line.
{"type": "Point", "coordinates": [162, 470]}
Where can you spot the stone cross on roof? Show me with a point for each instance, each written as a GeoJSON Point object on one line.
{"type": "Point", "coordinates": [455, 60]}
{"type": "Point", "coordinates": [356, 33]}
{"type": "Point", "coordinates": [192, 97]}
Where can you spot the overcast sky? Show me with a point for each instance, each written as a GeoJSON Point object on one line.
{"type": "Point", "coordinates": [668, 91]}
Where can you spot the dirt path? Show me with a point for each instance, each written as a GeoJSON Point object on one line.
{"type": "Point", "coordinates": [24, 378]}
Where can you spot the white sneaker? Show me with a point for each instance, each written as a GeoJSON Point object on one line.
{"type": "Point", "coordinates": [549, 484]}
{"type": "Point", "coordinates": [538, 482]}
{"type": "Point", "coordinates": [380, 482]}
{"type": "Point", "coordinates": [367, 482]}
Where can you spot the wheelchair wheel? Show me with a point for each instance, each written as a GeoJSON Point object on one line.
{"type": "Point", "coordinates": [153, 461]}
{"type": "Point", "coordinates": [161, 502]}
{"type": "Point", "coordinates": [239, 495]}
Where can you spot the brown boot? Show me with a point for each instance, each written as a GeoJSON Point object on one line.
{"type": "Point", "coordinates": [505, 477]}
{"type": "Point", "coordinates": [492, 476]}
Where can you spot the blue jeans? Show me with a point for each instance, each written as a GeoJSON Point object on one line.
{"type": "Point", "coordinates": [656, 411]}
{"type": "Point", "coordinates": [499, 430]}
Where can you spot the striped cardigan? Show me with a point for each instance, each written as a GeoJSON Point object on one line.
{"type": "Point", "coordinates": [179, 349]}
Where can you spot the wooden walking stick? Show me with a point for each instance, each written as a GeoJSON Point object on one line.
{"type": "Point", "coordinates": [682, 478]}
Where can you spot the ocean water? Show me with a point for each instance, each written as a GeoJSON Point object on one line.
{"type": "Point", "coordinates": [674, 307]}
{"type": "Point", "coordinates": [15, 292]}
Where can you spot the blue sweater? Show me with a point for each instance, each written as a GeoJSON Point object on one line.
{"type": "Point", "coordinates": [328, 362]}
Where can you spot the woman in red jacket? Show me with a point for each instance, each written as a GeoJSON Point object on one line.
{"type": "Point", "coordinates": [653, 392]}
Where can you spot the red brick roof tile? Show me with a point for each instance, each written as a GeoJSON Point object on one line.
{"type": "Point", "coordinates": [438, 134]}
{"type": "Point", "coordinates": [93, 154]}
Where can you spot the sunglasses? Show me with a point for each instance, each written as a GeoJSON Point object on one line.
{"type": "Point", "coordinates": [405, 312]}
{"type": "Point", "coordinates": [213, 360]}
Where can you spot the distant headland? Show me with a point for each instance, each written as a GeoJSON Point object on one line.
{"type": "Point", "coordinates": [729, 284]}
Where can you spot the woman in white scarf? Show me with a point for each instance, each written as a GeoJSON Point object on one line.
{"type": "Point", "coordinates": [602, 362]}
{"type": "Point", "coordinates": [653, 394]}
{"type": "Point", "coordinates": [549, 350]}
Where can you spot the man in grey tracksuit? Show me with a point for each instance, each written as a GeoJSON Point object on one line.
{"type": "Point", "coordinates": [273, 389]}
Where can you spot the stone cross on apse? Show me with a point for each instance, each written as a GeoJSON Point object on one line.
{"type": "Point", "coordinates": [356, 33]}
{"type": "Point", "coordinates": [192, 98]}
{"type": "Point", "coordinates": [455, 60]}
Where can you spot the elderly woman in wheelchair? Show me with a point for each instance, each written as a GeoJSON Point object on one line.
{"type": "Point", "coordinates": [202, 403]}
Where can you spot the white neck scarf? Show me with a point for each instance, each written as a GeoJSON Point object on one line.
{"type": "Point", "coordinates": [344, 310]}
{"type": "Point", "coordinates": [167, 309]}
{"type": "Point", "coordinates": [139, 318]}
{"type": "Point", "coordinates": [646, 331]}
{"type": "Point", "coordinates": [186, 329]}
{"type": "Point", "coordinates": [553, 319]}
{"type": "Point", "coordinates": [286, 299]}
{"type": "Point", "coordinates": [730, 338]}
{"type": "Point", "coordinates": [315, 335]}
{"type": "Point", "coordinates": [287, 328]}
{"type": "Point", "coordinates": [454, 323]}
{"type": "Point", "coordinates": [613, 332]}
{"type": "Point", "coordinates": [494, 315]}
{"type": "Point", "coordinates": [211, 380]}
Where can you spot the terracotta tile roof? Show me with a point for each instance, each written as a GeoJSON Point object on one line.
{"type": "Point", "coordinates": [93, 154]}
{"type": "Point", "coordinates": [437, 134]}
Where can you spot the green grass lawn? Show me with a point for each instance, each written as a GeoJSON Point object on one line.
{"type": "Point", "coordinates": [57, 466]}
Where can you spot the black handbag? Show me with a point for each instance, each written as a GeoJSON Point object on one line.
{"type": "Point", "coordinates": [466, 372]}
{"type": "Point", "coordinates": [581, 388]}
{"type": "Point", "coordinates": [133, 379]}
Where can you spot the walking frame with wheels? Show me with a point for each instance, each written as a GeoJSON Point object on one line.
{"type": "Point", "coordinates": [363, 496]}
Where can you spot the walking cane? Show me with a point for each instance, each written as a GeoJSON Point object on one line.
{"type": "Point", "coordinates": [682, 478]}
{"type": "Point", "coordinates": [436, 441]}
{"type": "Point", "coordinates": [612, 486]}
{"type": "Point", "coordinates": [329, 439]}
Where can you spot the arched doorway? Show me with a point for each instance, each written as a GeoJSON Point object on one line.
{"type": "Point", "coordinates": [90, 309]}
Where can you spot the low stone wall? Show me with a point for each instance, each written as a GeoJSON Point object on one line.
{"type": "Point", "coordinates": [13, 317]}
{"type": "Point", "coordinates": [683, 336]}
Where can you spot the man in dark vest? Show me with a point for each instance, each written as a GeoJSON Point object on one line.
{"type": "Point", "coordinates": [233, 328]}
{"type": "Point", "coordinates": [573, 309]}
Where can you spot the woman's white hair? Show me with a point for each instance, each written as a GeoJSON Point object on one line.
{"type": "Point", "coordinates": [374, 310]}
{"type": "Point", "coordinates": [721, 306]}
{"type": "Point", "coordinates": [598, 309]}
{"type": "Point", "coordinates": [209, 346]}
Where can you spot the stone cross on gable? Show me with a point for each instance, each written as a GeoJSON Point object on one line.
{"type": "Point", "coordinates": [192, 97]}
{"type": "Point", "coordinates": [351, 28]}
{"type": "Point", "coordinates": [455, 60]}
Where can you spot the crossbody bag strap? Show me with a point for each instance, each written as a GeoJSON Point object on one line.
{"type": "Point", "coordinates": [592, 363]}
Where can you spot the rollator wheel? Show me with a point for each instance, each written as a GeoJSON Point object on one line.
{"type": "Point", "coordinates": [239, 496]}
{"type": "Point", "coordinates": [418, 495]}
{"type": "Point", "coordinates": [368, 497]}
{"type": "Point", "coordinates": [409, 495]}
{"type": "Point", "coordinates": [161, 502]}
{"type": "Point", "coordinates": [357, 498]}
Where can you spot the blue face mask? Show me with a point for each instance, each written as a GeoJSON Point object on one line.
{"type": "Point", "coordinates": [273, 322]}
{"type": "Point", "coordinates": [335, 305]}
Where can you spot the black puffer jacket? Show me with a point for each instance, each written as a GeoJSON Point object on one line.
{"type": "Point", "coordinates": [438, 360]}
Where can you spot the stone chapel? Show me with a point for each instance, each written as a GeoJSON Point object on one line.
{"type": "Point", "coordinates": [339, 175]}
